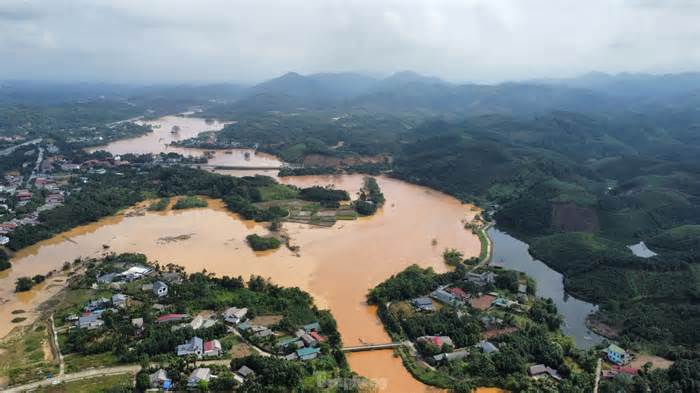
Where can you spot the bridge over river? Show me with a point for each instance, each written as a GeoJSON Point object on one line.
{"type": "Point", "coordinates": [371, 347]}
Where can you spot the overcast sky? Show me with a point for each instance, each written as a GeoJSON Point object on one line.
{"type": "Point", "coordinates": [228, 40]}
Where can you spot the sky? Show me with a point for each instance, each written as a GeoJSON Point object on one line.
{"type": "Point", "coordinates": [248, 41]}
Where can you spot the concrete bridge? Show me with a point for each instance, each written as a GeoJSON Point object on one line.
{"type": "Point", "coordinates": [371, 347]}
{"type": "Point", "coordinates": [236, 167]}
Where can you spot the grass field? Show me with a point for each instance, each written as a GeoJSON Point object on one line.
{"type": "Point", "coordinates": [93, 385]}
{"type": "Point", "coordinates": [35, 361]}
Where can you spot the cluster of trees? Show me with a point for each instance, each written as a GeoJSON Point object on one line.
{"type": "Point", "coordinates": [371, 197]}
{"type": "Point", "coordinates": [189, 202]}
{"type": "Point", "coordinates": [4, 260]}
{"type": "Point", "coordinates": [323, 194]}
{"type": "Point", "coordinates": [160, 205]}
{"type": "Point", "coordinates": [683, 376]}
{"type": "Point", "coordinates": [262, 243]}
{"type": "Point", "coordinates": [24, 284]}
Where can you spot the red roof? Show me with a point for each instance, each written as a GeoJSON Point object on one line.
{"type": "Point", "coordinates": [170, 317]}
{"type": "Point", "coordinates": [457, 292]}
{"type": "Point", "coordinates": [208, 346]}
{"type": "Point", "coordinates": [435, 340]}
{"type": "Point", "coordinates": [316, 336]}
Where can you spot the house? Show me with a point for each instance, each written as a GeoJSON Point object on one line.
{"type": "Point", "coordinates": [89, 322]}
{"type": "Point", "coordinates": [291, 341]}
{"type": "Point", "coordinates": [195, 346]}
{"type": "Point", "coordinates": [438, 341]}
{"type": "Point", "coordinates": [245, 372]}
{"type": "Point", "coordinates": [423, 304]}
{"type": "Point", "coordinates": [503, 303]}
{"type": "Point", "coordinates": [199, 322]}
{"type": "Point", "coordinates": [450, 356]}
{"type": "Point", "coordinates": [487, 346]}
{"type": "Point", "coordinates": [160, 289]}
{"type": "Point", "coordinates": [4, 240]}
{"type": "Point", "coordinates": [165, 318]}
{"type": "Point", "coordinates": [212, 348]}
{"type": "Point", "coordinates": [308, 340]}
{"type": "Point", "coordinates": [96, 304]}
{"type": "Point", "coordinates": [198, 375]}
{"type": "Point", "coordinates": [235, 315]}
{"type": "Point", "coordinates": [617, 355]}
{"type": "Point", "coordinates": [292, 356]}
{"type": "Point", "coordinates": [522, 288]}
{"type": "Point", "coordinates": [107, 278]}
{"type": "Point", "coordinates": [308, 353]}
{"type": "Point", "coordinates": [490, 322]}
{"type": "Point", "coordinates": [137, 323]}
{"type": "Point", "coordinates": [481, 279]}
{"type": "Point", "coordinates": [314, 334]}
{"type": "Point", "coordinates": [160, 380]}
{"type": "Point", "coordinates": [135, 272]}
{"type": "Point", "coordinates": [445, 297]}
{"type": "Point", "coordinates": [147, 287]}
{"type": "Point", "coordinates": [540, 369]}
{"type": "Point", "coordinates": [23, 195]}
{"type": "Point", "coordinates": [119, 300]}
{"type": "Point", "coordinates": [312, 327]}
{"type": "Point", "coordinates": [458, 293]}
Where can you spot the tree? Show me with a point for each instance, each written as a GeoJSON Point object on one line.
{"type": "Point", "coordinates": [23, 284]}
{"type": "Point", "coordinates": [452, 256]}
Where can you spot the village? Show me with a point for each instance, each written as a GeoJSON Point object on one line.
{"type": "Point", "coordinates": [121, 308]}
{"type": "Point", "coordinates": [484, 323]}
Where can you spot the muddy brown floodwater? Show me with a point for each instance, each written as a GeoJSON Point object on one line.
{"type": "Point", "coordinates": [338, 265]}
{"type": "Point", "coordinates": [159, 141]}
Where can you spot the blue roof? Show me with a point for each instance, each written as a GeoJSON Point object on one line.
{"type": "Point", "coordinates": [307, 351]}
{"type": "Point", "coordinates": [312, 326]}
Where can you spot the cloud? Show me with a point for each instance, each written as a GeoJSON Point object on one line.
{"type": "Point", "coordinates": [225, 40]}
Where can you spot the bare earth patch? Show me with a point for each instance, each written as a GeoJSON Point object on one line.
{"type": "Point", "coordinates": [266, 320]}
{"type": "Point", "coordinates": [656, 361]}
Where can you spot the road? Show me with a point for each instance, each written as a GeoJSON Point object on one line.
{"type": "Point", "coordinates": [11, 149]}
{"type": "Point", "coordinates": [100, 372]}
{"type": "Point", "coordinates": [53, 335]}
{"type": "Point", "coordinates": [87, 374]}
{"type": "Point", "coordinates": [597, 377]}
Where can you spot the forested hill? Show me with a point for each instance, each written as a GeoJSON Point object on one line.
{"type": "Point", "coordinates": [579, 188]}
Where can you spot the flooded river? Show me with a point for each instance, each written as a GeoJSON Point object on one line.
{"type": "Point", "coordinates": [338, 265]}
{"type": "Point", "coordinates": [162, 136]}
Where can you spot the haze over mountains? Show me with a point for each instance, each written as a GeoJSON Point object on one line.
{"type": "Point", "coordinates": [401, 92]}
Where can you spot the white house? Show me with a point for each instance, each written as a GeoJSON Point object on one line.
{"type": "Point", "coordinates": [235, 315]}
{"type": "Point", "coordinates": [160, 289]}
